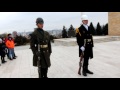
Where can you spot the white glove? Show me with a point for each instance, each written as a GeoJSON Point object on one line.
{"type": "Point", "coordinates": [82, 48]}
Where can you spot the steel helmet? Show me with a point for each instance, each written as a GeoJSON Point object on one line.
{"type": "Point", "coordinates": [39, 20]}
{"type": "Point", "coordinates": [84, 17]}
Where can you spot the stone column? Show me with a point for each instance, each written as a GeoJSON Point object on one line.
{"type": "Point", "coordinates": [114, 23]}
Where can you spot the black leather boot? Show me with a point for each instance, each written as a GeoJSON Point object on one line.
{"type": "Point", "coordinates": [88, 71]}
{"type": "Point", "coordinates": [84, 71]}
{"type": "Point", "coordinates": [45, 73]}
{"type": "Point", "coordinates": [3, 60]}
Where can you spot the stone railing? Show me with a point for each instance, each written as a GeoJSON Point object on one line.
{"type": "Point", "coordinates": [97, 39]}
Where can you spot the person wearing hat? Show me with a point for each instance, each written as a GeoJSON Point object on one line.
{"type": "Point", "coordinates": [85, 43]}
{"type": "Point", "coordinates": [2, 51]}
{"type": "Point", "coordinates": [41, 47]}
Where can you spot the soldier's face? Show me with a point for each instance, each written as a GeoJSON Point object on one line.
{"type": "Point", "coordinates": [85, 22]}
{"type": "Point", "coordinates": [40, 25]}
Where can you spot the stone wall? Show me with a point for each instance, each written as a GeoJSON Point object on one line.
{"type": "Point", "coordinates": [114, 23]}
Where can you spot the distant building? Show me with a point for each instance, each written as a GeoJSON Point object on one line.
{"type": "Point", "coordinates": [54, 32]}
{"type": "Point", "coordinates": [14, 34]}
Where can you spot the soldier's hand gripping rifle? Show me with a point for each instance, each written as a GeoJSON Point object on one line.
{"type": "Point", "coordinates": [81, 59]}
{"type": "Point", "coordinates": [38, 62]}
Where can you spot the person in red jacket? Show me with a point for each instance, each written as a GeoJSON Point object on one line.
{"type": "Point", "coordinates": [10, 35]}
{"type": "Point", "coordinates": [10, 45]}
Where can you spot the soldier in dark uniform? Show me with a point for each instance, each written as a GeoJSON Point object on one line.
{"type": "Point", "coordinates": [41, 39]}
{"type": "Point", "coordinates": [85, 42]}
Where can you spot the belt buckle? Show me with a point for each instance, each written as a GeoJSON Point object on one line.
{"type": "Point", "coordinates": [43, 46]}
{"type": "Point", "coordinates": [88, 40]}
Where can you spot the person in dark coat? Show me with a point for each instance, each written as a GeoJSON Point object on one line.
{"type": "Point", "coordinates": [41, 39]}
{"type": "Point", "coordinates": [2, 51]}
{"type": "Point", "coordinates": [85, 43]}
{"type": "Point", "coordinates": [4, 42]}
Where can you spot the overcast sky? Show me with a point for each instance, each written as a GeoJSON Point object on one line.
{"type": "Point", "coordinates": [25, 21]}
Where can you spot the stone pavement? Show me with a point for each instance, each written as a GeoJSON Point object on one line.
{"type": "Point", "coordinates": [64, 60]}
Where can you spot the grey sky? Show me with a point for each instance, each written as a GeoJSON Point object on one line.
{"type": "Point", "coordinates": [25, 21]}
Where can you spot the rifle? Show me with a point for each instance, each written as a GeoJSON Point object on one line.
{"type": "Point", "coordinates": [80, 63]}
{"type": "Point", "coordinates": [81, 59]}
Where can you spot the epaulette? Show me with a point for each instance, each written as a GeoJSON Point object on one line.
{"type": "Point", "coordinates": [78, 32]}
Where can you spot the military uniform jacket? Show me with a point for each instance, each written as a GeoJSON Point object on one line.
{"type": "Point", "coordinates": [42, 38]}
{"type": "Point", "coordinates": [84, 38]}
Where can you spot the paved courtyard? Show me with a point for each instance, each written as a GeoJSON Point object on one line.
{"type": "Point", "coordinates": [64, 60]}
